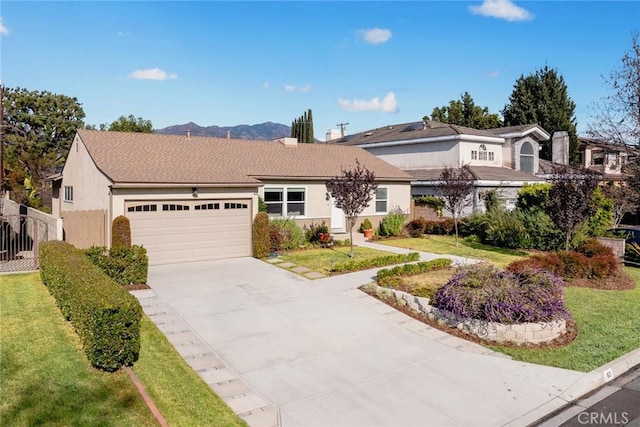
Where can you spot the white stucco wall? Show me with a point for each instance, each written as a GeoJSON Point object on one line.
{"type": "Point", "coordinates": [467, 147]}
{"type": "Point", "coordinates": [90, 186]}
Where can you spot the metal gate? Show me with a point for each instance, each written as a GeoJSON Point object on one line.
{"type": "Point", "coordinates": [20, 239]}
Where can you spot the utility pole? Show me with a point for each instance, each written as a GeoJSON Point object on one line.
{"type": "Point", "coordinates": [342, 127]}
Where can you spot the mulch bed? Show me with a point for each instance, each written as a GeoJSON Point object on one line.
{"type": "Point", "coordinates": [568, 337]}
{"type": "Point", "coordinates": [137, 287]}
{"type": "Point", "coordinates": [620, 281]}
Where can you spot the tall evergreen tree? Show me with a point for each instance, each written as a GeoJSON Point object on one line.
{"type": "Point", "coordinates": [302, 128]}
{"type": "Point", "coordinates": [543, 98]}
{"type": "Point", "coordinates": [465, 112]}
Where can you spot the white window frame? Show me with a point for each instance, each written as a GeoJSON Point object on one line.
{"type": "Point", "coordinates": [474, 155]}
{"type": "Point", "coordinates": [284, 203]}
{"type": "Point", "coordinates": [385, 200]}
{"type": "Point", "coordinates": [68, 193]}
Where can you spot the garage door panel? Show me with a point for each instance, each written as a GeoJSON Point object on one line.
{"type": "Point", "coordinates": [201, 230]}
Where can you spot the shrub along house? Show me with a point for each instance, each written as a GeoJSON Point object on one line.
{"type": "Point", "coordinates": [193, 198]}
{"type": "Point", "coordinates": [503, 158]}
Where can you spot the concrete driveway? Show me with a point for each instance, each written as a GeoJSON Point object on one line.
{"type": "Point", "coordinates": [281, 348]}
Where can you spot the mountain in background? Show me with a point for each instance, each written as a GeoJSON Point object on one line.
{"type": "Point", "coordinates": [265, 131]}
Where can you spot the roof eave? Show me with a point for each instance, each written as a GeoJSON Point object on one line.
{"type": "Point", "coordinates": [454, 138]}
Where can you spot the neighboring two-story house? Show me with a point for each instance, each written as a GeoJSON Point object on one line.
{"type": "Point", "coordinates": [503, 159]}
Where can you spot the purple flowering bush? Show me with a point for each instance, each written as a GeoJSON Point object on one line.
{"type": "Point", "coordinates": [486, 293]}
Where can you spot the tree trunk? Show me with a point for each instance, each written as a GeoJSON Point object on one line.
{"type": "Point", "coordinates": [455, 226]}
{"type": "Point", "coordinates": [567, 242]}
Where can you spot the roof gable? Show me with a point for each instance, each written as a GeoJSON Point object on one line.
{"type": "Point", "coordinates": [176, 159]}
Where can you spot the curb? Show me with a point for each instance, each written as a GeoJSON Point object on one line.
{"type": "Point", "coordinates": [589, 382]}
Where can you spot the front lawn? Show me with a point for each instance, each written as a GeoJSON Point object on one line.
{"type": "Point", "coordinates": [321, 260]}
{"type": "Point", "coordinates": [500, 257]}
{"type": "Point", "coordinates": [46, 378]}
{"type": "Point", "coordinates": [608, 327]}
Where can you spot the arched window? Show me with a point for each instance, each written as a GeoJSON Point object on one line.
{"type": "Point", "coordinates": [526, 158]}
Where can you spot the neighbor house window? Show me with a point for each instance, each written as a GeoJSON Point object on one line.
{"type": "Point", "coordinates": [68, 193]}
{"type": "Point", "coordinates": [285, 201]}
{"type": "Point", "coordinates": [526, 158]}
{"type": "Point", "coordinates": [382, 199]}
{"type": "Point", "coordinates": [474, 155]}
{"type": "Point", "coordinates": [491, 156]}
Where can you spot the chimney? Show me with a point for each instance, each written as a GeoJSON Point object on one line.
{"type": "Point", "coordinates": [228, 134]}
{"type": "Point", "coordinates": [288, 142]}
{"type": "Point", "coordinates": [560, 148]}
{"type": "Point", "coordinates": [188, 133]}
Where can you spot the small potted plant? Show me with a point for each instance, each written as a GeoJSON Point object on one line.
{"type": "Point", "coordinates": [366, 228]}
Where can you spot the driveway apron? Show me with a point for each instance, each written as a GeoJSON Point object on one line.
{"type": "Point", "coordinates": [282, 349]}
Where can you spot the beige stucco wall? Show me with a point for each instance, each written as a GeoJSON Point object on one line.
{"type": "Point", "coordinates": [318, 208]}
{"type": "Point", "coordinates": [90, 186]}
{"type": "Point", "coordinates": [417, 156]}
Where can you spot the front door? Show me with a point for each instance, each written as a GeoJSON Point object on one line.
{"type": "Point", "coordinates": [337, 218]}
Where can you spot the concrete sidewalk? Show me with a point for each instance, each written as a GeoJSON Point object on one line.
{"type": "Point", "coordinates": [282, 349]}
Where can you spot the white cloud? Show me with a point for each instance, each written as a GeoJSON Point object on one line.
{"type": "Point", "coordinates": [502, 9]}
{"type": "Point", "coordinates": [375, 35]}
{"type": "Point", "coordinates": [3, 28]}
{"type": "Point", "coordinates": [152, 74]}
{"type": "Point", "coordinates": [493, 74]}
{"type": "Point", "coordinates": [265, 85]}
{"type": "Point", "coordinates": [301, 89]}
{"type": "Point", "coordinates": [387, 105]}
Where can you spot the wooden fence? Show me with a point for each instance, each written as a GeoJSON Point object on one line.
{"type": "Point", "coordinates": [84, 229]}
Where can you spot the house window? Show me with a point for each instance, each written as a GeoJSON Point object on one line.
{"type": "Point", "coordinates": [68, 193]}
{"type": "Point", "coordinates": [491, 156]}
{"type": "Point", "coordinates": [482, 154]}
{"type": "Point", "coordinates": [285, 201]}
{"type": "Point", "coordinates": [526, 158]}
{"type": "Point", "coordinates": [207, 206]}
{"type": "Point", "coordinates": [235, 206]}
{"type": "Point", "coordinates": [474, 155]}
{"type": "Point", "coordinates": [174, 207]}
{"type": "Point", "coordinates": [382, 199]}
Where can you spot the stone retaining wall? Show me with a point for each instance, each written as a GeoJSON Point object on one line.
{"type": "Point", "coordinates": [522, 333]}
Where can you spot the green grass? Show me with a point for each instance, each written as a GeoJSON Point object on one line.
{"type": "Point", "coordinates": [321, 260]}
{"type": "Point", "coordinates": [45, 377]}
{"type": "Point", "coordinates": [608, 327]}
{"type": "Point", "coordinates": [178, 392]}
{"type": "Point", "coordinates": [446, 245]}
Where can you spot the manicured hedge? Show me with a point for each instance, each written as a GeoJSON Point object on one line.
{"type": "Point", "coordinates": [356, 265]}
{"type": "Point", "coordinates": [261, 238]}
{"type": "Point", "coordinates": [127, 265]}
{"type": "Point", "coordinates": [411, 269]}
{"type": "Point", "coordinates": [104, 314]}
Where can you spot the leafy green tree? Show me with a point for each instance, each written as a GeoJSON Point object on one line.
{"type": "Point", "coordinates": [352, 191]}
{"type": "Point", "coordinates": [38, 129]}
{"type": "Point", "coordinates": [465, 112]}
{"type": "Point", "coordinates": [543, 98]}
{"type": "Point", "coordinates": [131, 124]}
{"type": "Point", "coordinates": [617, 116]}
{"type": "Point", "coordinates": [302, 128]}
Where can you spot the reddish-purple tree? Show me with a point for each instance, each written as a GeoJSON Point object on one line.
{"type": "Point", "coordinates": [352, 191]}
{"type": "Point", "coordinates": [456, 184]}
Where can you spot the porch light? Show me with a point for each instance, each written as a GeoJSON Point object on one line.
{"type": "Point", "coordinates": [194, 192]}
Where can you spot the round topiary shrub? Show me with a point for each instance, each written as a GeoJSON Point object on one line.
{"type": "Point", "coordinates": [486, 293]}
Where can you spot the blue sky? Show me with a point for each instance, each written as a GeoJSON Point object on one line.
{"type": "Point", "coordinates": [367, 63]}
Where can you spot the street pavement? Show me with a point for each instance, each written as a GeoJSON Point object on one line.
{"type": "Point", "coordinates": [281, 349]}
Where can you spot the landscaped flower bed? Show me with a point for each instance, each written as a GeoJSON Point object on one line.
{"type": "Point", "coordinates": [494, 305]}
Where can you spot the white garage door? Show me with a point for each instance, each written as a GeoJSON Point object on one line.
{"type": "Point", "coordinates": [191, 230]}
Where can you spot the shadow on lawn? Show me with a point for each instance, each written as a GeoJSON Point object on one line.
{"type": "Point", "coordinates": [502, 251]}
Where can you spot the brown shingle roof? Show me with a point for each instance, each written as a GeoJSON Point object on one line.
{"type": "Point", "coordinates": [409, 131]}
{"type": "Point", "coordinates": [175, 159]}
